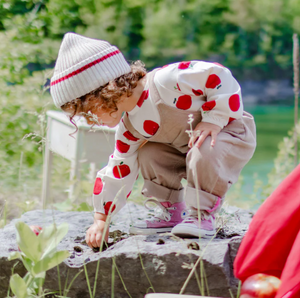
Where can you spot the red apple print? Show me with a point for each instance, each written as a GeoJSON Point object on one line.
{"type": "Point", "coordinates": [143, 97]}
{"type": "Point", "coordinates": [209, 105]}
{"type": "Point", "coordinates": [219, 64]}
{"type": "Point", "coordinates": [107, 207]}
{"type": "Point", "coordinates": [234, 102]}
{"type": "Point", "coordinates": [184, 65]}
{"type": "Point", "coordinates": [184, 102]}
{"type": "Point", "coordinates": [213, 81]}
{"type": "Point", "coordinates": [178, 87]}
{"type": "Point", "coordinates": [197, 92]}
{"type": "Point", "coordinates": [122, 147]}
{"type": "Point", "coordinates": [230, 120]}
{"type": "Point", "coordinates": [121, 171]}
{"type": "Point", "coordinates": [128, 135]}
{"type": "Point", "coordinates": [98, 186]}
{"type": "Point", "coordinates": [128, 195]}
{"type": "Point", "coordinates": [150, 127]}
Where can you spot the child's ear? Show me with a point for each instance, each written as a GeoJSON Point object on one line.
{"type": "Point", "coordinates": [114, 115]}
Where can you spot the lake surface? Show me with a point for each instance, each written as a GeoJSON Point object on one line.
{"type": "Point", "coordinates": [272, 125]}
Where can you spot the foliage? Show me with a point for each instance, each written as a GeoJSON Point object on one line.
{"type": "Point", "coordinates": [242, 34]}
{"type": "Point", "coordinates": [284, 162]}
{"type": "Point", "coordinates": [38, 254]}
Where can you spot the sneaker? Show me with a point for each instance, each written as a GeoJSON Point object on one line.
{"type": "Point", "coordinates": [190, 227]}
{"type": "Point", "coordinates": [166, 216]}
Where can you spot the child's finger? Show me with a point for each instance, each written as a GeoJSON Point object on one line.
{"type": "Point", "coordinates": [194, 138]}
{"type": "Point", "coordinates": [191, 142]}
{"type": "Point", "coordinates": [213, 138]}
{"type": "Point", "coordinates": [98, 239]}
{"type": "Point", "coordinates": [93, 240]}
{"type": "Point", "coordinates": [87, 240]}
{"type": "Point", "coordinates": [201, 139]}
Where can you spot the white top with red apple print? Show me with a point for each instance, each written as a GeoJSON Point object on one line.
{"type": "Point", "coordinates": [195, 86]}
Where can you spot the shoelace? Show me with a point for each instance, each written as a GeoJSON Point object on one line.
{"type": "Point", "coordinates": [192, 214]}
{"type": "Point", "coordinates": [161, 212]}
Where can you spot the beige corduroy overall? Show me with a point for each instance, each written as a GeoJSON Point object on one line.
{"type": "Point", "coordinates": [165, 158]}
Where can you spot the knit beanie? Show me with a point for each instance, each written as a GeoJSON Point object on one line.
{"type": "Point", "coordinates": [83, 65]}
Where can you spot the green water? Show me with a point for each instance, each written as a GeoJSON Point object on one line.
{"type": "Point", "coordinates": [272, 125]}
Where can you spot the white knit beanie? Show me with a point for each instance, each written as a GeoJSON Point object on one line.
{"type": "Point", "coordinates": [83, 65]}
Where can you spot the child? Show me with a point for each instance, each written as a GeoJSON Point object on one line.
{"type": "Point", "coordinates": [92, 78]}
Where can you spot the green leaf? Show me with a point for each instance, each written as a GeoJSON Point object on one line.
{"type": "Point", "coordinates": [18, 286]}
{"type": "Point", "coordinates": [51, 236]}
{"type": "Point", "coordinates": [28, 263]}
{"type": "Point", "coordinates": [37, 283]}
{"type": "Point", "coordinates": [50, 261]}
{"type": "Point", "coordinates": [28, 241]}
{"type": "Point", "coordinates": [14, 255]}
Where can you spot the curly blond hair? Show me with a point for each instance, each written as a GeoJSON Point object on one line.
{"type": "Point", "coordinates": [108, 95]}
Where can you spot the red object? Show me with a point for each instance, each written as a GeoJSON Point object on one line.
{"type": "Point", "coordinates": [234, 102]}
{"type": "Point", "coordinates": [184, 102]}
{"type": "Point", "coordinates": [98, 186]}
{"type": "Point", "coordinates": [197, 92]}
{"type": "Point", "coordinates": [127, 134]}
{"type": "Point", "coordinates": [150, 127]}
{"type": "Point", "coordinates": [231, 119]}
{"type": "Point", "coordinates": [107, 207]}
{"type": "Point", "coordinates": [209, 105]}
{"type": "Point", "coordinates": [272, 243]}
{"type": "Point", "coordinates": [260, 286]}
{"type": "Point", "coordinates": [36, 229]}
{"type": "Point", "coordinates": [128, 195]}
{"type": "Point", "coordinates": [178, 87]}
{"type": "Point", "coordinates": [213, 81]}
{"type": "Point", "coordinates": [121, 171]}
{"type": "Point", "coordinates": [143, 97]}
{"type": "Point", "coordinates": [122, 147]}
{"type": "Point", "coordinates": [184, 65]}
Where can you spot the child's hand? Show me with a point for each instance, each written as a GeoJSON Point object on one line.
{"type": "Point", "coordinates": [94, 234]}
{"type": "Point", "coordinates": [202, 131]}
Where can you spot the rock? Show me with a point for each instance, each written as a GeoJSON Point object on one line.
{"type": "Point", "coordinates": [139, 264]}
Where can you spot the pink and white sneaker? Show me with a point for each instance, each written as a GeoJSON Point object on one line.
{"type": "Point", "coordinates": [190, 227]}
{"type": "Point", "coordinates": [166, 216]}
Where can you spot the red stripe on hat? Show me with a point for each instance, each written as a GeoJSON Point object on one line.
{"type": "Point", "coordinates": [85, 67]}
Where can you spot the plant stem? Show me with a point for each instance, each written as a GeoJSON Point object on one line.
{"type": "Point", "coordinates": [113, 280]}
{"type": "Point", "coordinates": [88, 281]}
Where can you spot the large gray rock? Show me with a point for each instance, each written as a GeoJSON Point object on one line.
{"type": "Point", "coordinates": [161, 261]}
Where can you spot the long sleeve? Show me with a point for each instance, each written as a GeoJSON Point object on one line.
{"type": "Point", "coordinates": [198, 85]}
{"type": "Point", "coordinates": [114, 183]}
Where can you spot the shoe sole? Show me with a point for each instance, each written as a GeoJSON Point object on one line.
{"type": "Point", "coordinates": [193, 233]}
{"type": "Point", "coordinates": [148, 231]}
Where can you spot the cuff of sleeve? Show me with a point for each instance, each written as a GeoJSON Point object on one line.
{"type": "Point", "coordinates": [222, 122]}
{"type": "Point", "coordinates": [98, 204]}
